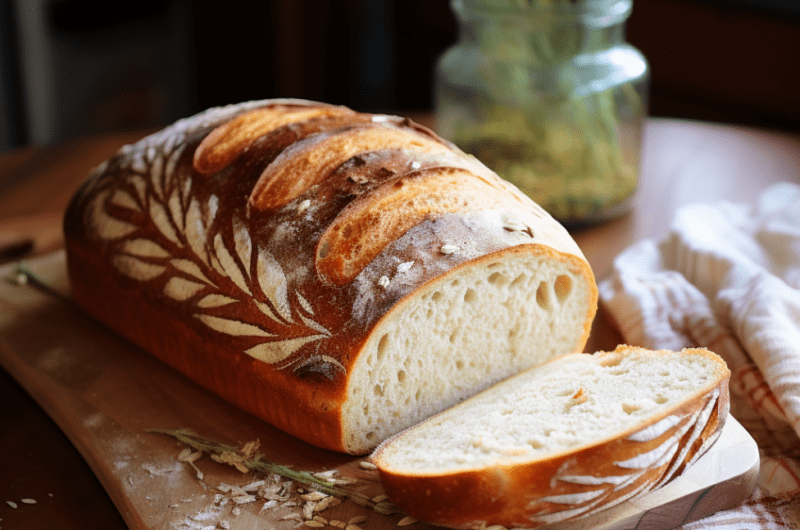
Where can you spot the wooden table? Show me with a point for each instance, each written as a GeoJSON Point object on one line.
{"type": "Point", "coordinates": [683, 162]}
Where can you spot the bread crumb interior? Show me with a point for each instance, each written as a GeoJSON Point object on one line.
{"type": "Point", "coordinates": [471, 328]}
{"type": "Point", "coordinates": [553, 408]}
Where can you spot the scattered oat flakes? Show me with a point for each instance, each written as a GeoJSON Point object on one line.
{"type": "Point", "coordinates": [12, 504]}
{"type": "Point", "coordinates": [352, 527]}
{"type": "Point", "coordinates": [28, 501]}
{"type": "Point", "coordinates": [225, 525]}
{"type": "Point", "coordinates": [405, 521]}
{"type": "Point", "coordinates": [449, 249]}
{"type": "Point", "coordinates": [188, 456]}
{"type": "Point", "coordinates": [380, 498]}
{"type": "Point", "coordinates": [358, 519]}
{"type": "Point", "coordinates": [314, 524]}
{"type": "Point", "coordinates": [365, 464]}
{"type": "Point", "coordinates": [404, 267]}
{"type": "Point", "coordinates": [314, 496]}
{"type": "Point", "coordinates": [324, 504]}
{"type": "Point", "coordinates": [327, 475]}
{"type": "Point", "coordinates": [244, 499]}
{"type": "Point", "coordinates": [268, 505]}
{"type": "Point", "coordinates": [253, 486]}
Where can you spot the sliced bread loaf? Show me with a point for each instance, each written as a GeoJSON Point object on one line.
{"type": "Point", "coordinates": [559, 441]}
{"type": "Point", "coordinates": [341, 275]}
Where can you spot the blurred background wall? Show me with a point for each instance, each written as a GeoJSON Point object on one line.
{"type": "Point", "coordinates": [80, 67]}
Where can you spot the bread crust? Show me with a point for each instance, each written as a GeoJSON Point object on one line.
{"type": "Point", "coordinates": [201, 244]}
{"type": "Point", "coordinates": [571, 484]}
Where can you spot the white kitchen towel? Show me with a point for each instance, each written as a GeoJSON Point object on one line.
{"type": "Point", "coordinates": [728, 278]}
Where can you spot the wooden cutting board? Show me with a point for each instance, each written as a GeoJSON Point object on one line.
{"type": "Point", "coordinates": [106, 394]}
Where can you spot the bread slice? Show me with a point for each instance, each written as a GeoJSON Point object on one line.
{"type": "Point", "coordinates": [559, 441]}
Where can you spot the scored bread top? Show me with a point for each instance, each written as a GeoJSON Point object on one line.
{"type": "Point", "coordinates": [287, 229]}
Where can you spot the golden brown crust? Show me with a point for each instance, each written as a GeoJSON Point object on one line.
{"type": "Point", "coordinates": [228, 141]}
{"type": "Point", "coordinates": [311, 160]}
{"type": "Point", "coordinates": [201, 244]}
{"type": "Point", "coordinates": [572, 484]}
{"type": "Point", "coordinates": [392, 208]}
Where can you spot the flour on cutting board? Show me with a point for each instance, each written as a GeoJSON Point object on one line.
{"type": "Point", "coordinates": [206, 501]}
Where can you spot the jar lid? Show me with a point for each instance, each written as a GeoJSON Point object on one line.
{"type": "Point", "coordinates": [595, 13]}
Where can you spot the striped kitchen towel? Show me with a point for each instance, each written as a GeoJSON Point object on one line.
{"type": "Point", "coordinates": [728, 278]}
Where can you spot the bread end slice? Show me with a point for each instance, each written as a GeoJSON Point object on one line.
{"type": "Point", "coordinates": [560, 441]}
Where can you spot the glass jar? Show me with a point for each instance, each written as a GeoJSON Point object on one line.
{"type": "Point", "coordinates": [550, 96]}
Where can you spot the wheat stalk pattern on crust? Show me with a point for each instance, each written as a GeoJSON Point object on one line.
{"type": "Point", "coordinates": [161, 233]}
{"type": "Point", "coordinates": [631, 474]}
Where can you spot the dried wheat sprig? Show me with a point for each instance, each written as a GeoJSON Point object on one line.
{"type": "Point", "coordinates": [247, 459]}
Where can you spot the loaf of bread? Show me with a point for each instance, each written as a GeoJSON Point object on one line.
{"type": "Point", "coordinates": [560, 441]}
{"type": "Point", "coordinates": [340, 275]}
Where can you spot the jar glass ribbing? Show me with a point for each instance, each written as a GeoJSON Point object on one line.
{"type": "Point", "coordinates": [550, 96]}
